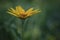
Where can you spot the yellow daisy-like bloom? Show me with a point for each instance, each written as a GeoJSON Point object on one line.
{"type": "Point", "coordinates": [21, 13]}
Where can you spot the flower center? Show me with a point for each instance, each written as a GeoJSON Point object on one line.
{"type": "Point", "coordinates": [22, 15]}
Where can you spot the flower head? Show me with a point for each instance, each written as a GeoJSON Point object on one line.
{"type": "Point", "coordinates": [21, 13]}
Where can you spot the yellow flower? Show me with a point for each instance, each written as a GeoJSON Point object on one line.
{"type": "Point", "coordinates": [21, 13]}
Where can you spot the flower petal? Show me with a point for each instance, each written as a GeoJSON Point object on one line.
{"type": "Point", "coordinates": [36, 11]}
{"type": "Point", "coordinates": [20, 9]}
{"type": "Point", "coordinates": [33, 12]}
{"type": "Point", "coordinates": [12, 14]}
{"type": "Point", "coordinates": [29, 10]}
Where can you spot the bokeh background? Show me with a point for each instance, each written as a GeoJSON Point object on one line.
{"type": "Point", "coordinates": [42, 26]}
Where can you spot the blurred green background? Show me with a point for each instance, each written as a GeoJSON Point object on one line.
{"type": "Point", "coordinates": [42, 26]}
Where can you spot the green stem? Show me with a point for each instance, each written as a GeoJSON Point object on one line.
{"type": "Point", "coordinates": [23, 29]}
